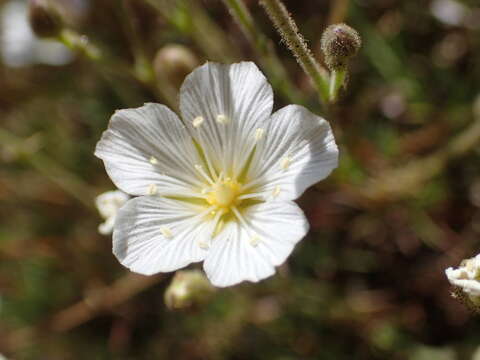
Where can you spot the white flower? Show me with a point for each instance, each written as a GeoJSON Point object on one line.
{"type": "Point", "coordinates": [19, 46]}
{"type": "Point", "coordinates": [108, 205]}
{"type": "Point", "coordinates": [467, 277]}
{"type": "Point", "coordinates": [217, 186]}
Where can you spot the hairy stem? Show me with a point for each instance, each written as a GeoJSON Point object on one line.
{"type": "Point", "coordinates": [337, 79]}
{"type": "Point", "coordinates": [265, 50]}
{"type": "Point", "coordinates": [288, 30]}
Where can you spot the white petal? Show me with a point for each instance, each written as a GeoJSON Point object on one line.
{"type": "Point", "coordinates": [251, 250]}
{"type": "Point", "coordinates": [223, 105]}
{"type": "Point", "coordinates": [297, 150]}
{"type": "Point", "coordinates": [106, 227]}
{"type": "Point", "coordinates": [110, 202]}
{"type": "Point", "coordinates": [154, 234]}
{"type": "Point", "coordinates": [148, 146]}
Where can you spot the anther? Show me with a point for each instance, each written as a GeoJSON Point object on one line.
{"type": "Point", "coordinates": [276, 191]}
{"type": "Point", "coordinates": [254, 240]}
{"type": "Point", "coordinates": [152, 189]}
{"type": "Point", "coordinates": [222, 119]}
{"type": "Point", "coordinates": [198, 121]}
{"type": "Point", "coordinates": [203, 245]}
{"type": "Point", "coordinates": [202, 172]}
{"type": "Point", "coordinates": [153, 160]}
{"type": "Point", "coordinates": [285, 162]}
{"type": "Point", "coordinates": [259, 134]}
{"type": "Point", "coordinates": [166, 232]}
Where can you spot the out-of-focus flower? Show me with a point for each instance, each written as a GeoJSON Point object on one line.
{"type": "Point", "coordinates": [189, 288]}
{"type": "Point", "coordinates": [174, 61]}
{"type": "Point", "coordinates": [466, 278]}
{"type": "Point", "coordinates": [45, 20]}
{"type": "Point", "coordinates": [449, 12]}
{"type": "Point", "coordinates": [220, 185]}
{"type": "Point", "coordinates": [108, 205]}
{"type": "Point", "coordinates": [19, 46]}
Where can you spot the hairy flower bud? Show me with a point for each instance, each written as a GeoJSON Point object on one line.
{"type": "Point", "coordinates": [188, 289]}
{"type": "Point", "coordinates": [44, 18]}
{"type": "Point", "coordinates": [174, 62]}
{"type": "Point", "coordinates": [339, 43]}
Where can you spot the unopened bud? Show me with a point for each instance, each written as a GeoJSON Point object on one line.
{"type": "Point", "coordinates": [465, 280]}
{"type": "Point", "coordinates": [44, 18]}
{"type": "Point", "coordinates": [174, 62]}
{"type": "Point", "coordinates": [188, 289]}
{"type": "Point", "coordinates": [339, 43]}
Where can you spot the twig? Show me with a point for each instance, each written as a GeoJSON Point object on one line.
{"type": "Point", "coordinates": [405, 181]}
{"type": "Point", "coordinates": [102, 300]}
{"type": "Point", "coordinates": [68, 181]}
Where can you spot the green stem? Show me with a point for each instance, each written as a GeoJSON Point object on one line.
{"type": "Point", "coordinates": [407, 180]}
{"type": "Point", "coordinates": [66, 180]}
{"type": "Point", "coordinates": [207, 35]}
{"type": "Point", "coordinates": [80, 43]}
{"type": "Point", "coordinates": [265, 51]}
{"type": "Point", "coordinates": [288, 30]}
{"type": "Point", "coordinates": [337, 79]}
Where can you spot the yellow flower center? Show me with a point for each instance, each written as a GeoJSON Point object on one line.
{"type": "Point", "coordinates": [224, 194]}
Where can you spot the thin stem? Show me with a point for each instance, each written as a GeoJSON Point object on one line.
{"type": "Point", "coordinates": [143, 69]}
{"type": "Point", "coordinates": [66, 180]}
{"type": "Point", "coordinates": [242, 15]}
{"type": "Point", "coordinates": [198, 24]}
{"type": "Point", "coordinates": [264, 49]}
{"type": "Point", "coordinates": [108, 66]}
{"type": "Point", "coordinates": [80, 43]}
{"type": "Point", "coordinates": [338, 11]}
{"type": "Point", "coordinates": [400, 182]}
{"type": "Point", "coordinates": [288, 30]}
{"type": "Point", "coordinates": [337, 79]}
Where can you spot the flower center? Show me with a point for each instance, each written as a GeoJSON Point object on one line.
{"type": "Point", "coordinates": [224, 194]}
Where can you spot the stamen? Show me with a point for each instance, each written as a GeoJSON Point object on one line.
{"type": "Point", "coordinates": [222, 119]}
{"type": "Point", "coordinates": [202, 172]}
{"type": "Point", "coordinates": [152, 189]}
{"type": "Point", "coordinates": [285, 162]}
{"type": "Point", "coordinates": [203, 245]}
{"type": "Point", "coordinates": [251, 196]}
{"type": "Point", "coordinates": [153, 160]}
{"type": "Point", "coordinates": [240, 217]}
{"type": "Point", "coordinates": [276, 191]}
{"type": "Point", "coordinates": [166, 232]}
{"type": "Point", "coordinates": [259, 134]}
{"type": "Point", "coordinates": [198, 121]}
{"type": "Point", "coordinates": [247, 227]}
{"type": "Point", "coordinates": [255, 240]}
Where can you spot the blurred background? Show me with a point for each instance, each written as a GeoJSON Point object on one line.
{"type": "Point", "coordinates": [368, 281]}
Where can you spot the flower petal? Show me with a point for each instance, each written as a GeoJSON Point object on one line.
{"type": "Point", "coordinates": [223, 105]}
{"type": "Point", "coordinates": [154, 234]}
{"type": "Point", "coordinates": [250, 250]}
{"type": "Point", "coordinates": [296, 151]}
{"type": "Point", "coordinates": [149, 148]}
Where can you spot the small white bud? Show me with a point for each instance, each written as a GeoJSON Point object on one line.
{"type": "Point", "coordinates": [188, 289]}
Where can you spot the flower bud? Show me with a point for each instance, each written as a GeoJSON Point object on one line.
{"type": "Point", "coordinates": [174, 62]}
{"type": "Point", "coordinates": [188, 289]}
{"type": "Point", "coordinates": [465, 280]}
{"type": "Point", "coordinates": [339, 43]}
{"type": "Point", "coordinates": [44, 19]}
